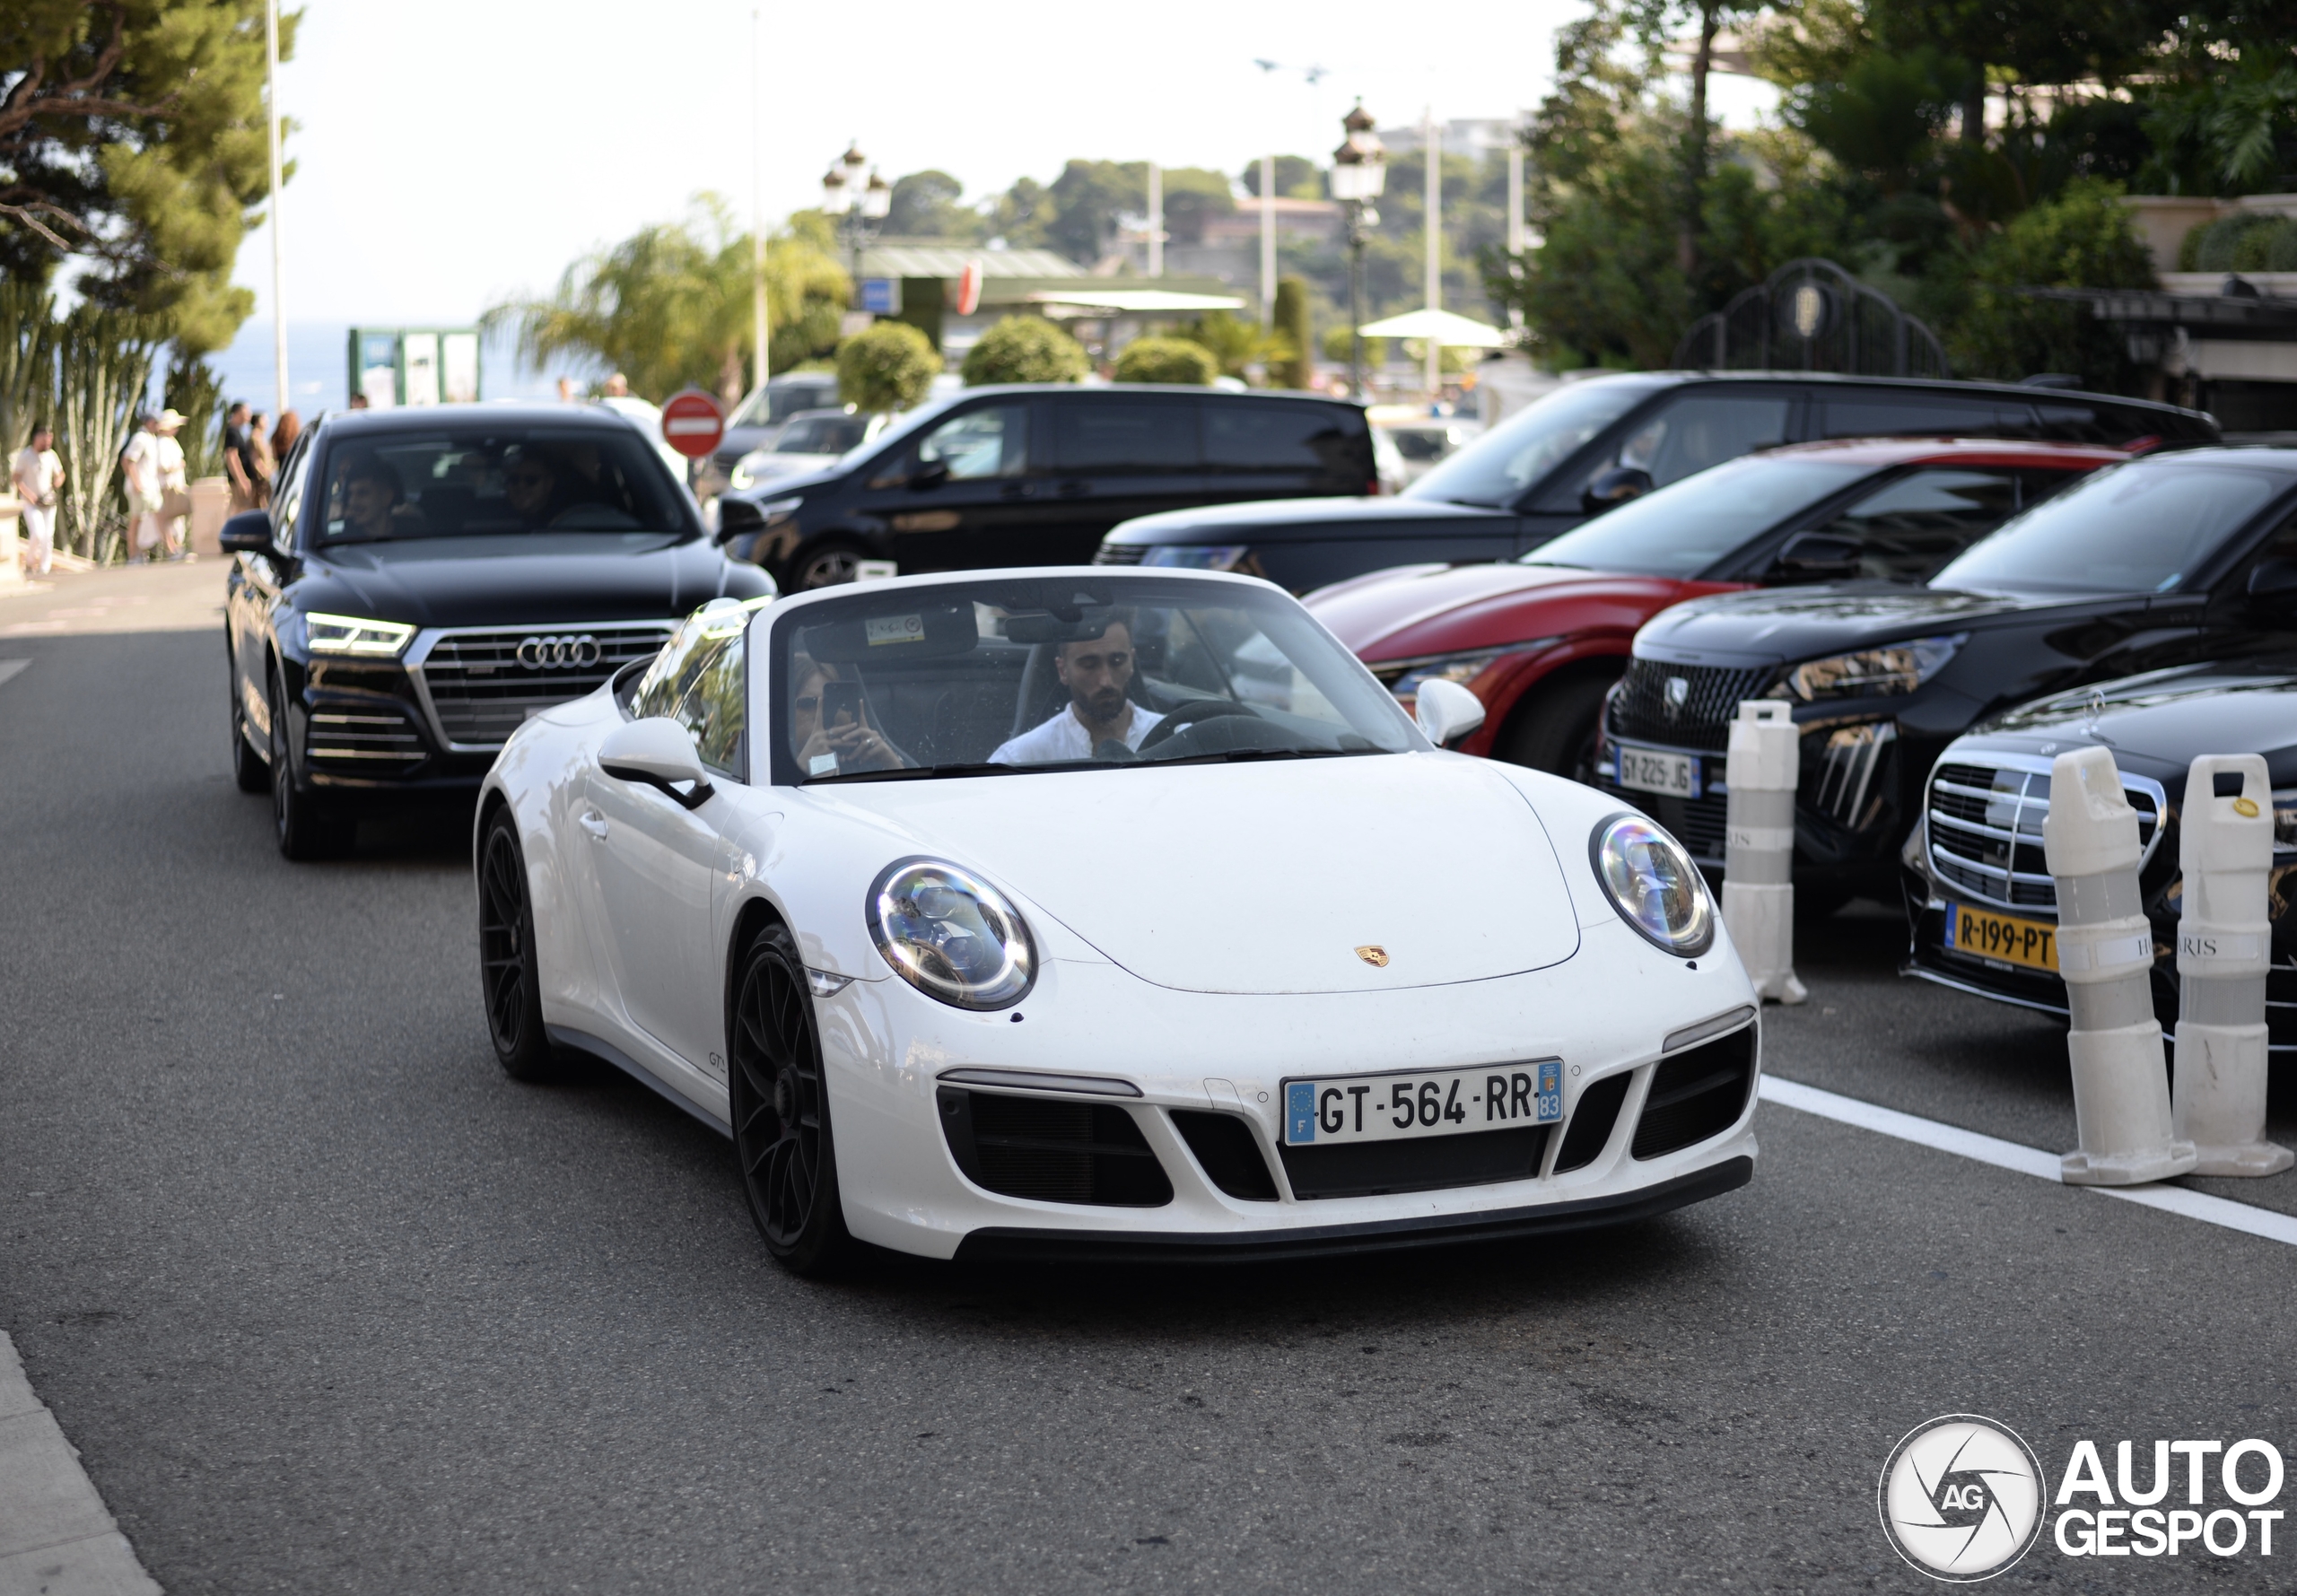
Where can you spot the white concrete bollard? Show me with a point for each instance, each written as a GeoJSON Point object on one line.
{"type": "Point", "coordinates": [2105, 952]}
{"type": "Point", "coordinates": [2224, 946]}
{"type": "Point", "coordinates": [1759, 846]}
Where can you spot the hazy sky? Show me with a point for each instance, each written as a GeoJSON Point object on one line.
{"type": "Point", "coordinates": [451, 154]}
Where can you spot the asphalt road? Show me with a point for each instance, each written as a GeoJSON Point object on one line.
{"type": "Point", "coordinates": [328, 1304]}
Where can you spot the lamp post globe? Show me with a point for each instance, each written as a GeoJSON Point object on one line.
{"type": "Point", "coordinates": [859, 202]}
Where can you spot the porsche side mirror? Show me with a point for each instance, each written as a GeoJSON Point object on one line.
{"type": "Point", "coordinates": [1447, 711]}
{"type": "Point", "coordinates": [1613, 487]}
{"type": "Point", "coordinates": [657, 752]}
{"type": "Point", "coordinates": [2272, 584]}
{"type": "Point", "coordinates": [246, 533]}
{"type": "Point", "coordinates": [1815, 557]}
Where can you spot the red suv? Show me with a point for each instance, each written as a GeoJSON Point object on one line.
{"type": "Point", "coordinates": [1540, 640]}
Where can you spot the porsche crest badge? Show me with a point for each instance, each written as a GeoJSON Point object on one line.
{"type": "Point", "coordinates": [1374, 955]}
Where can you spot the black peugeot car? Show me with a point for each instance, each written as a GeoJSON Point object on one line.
{"type": "Point", "coordinates": [2168, 560]}
{"type": "Point", "coordinates": [1594, 444]}
{"type": "Point", "coordinates": [1036, 475]}
{"type": "Point", "coordinates": [1981, 907]}
{"type": "Point", "coordinates": [427, 578]}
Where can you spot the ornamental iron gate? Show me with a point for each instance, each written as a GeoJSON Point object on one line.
{"type": "Point", "coordinates": [1810, 315]}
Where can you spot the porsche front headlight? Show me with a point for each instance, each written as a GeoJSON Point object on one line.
{"type": "Point", "coordinates": [1871, 673]}
{"type": "Point", "coordinates": [951, 934]}
{"type": "Point", "coordinates": [349, 635]}
{"type": "Point", "coordinates": [1653, 884]}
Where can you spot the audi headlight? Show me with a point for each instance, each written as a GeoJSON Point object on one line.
{"type": "Point", "coordinates": [1652, 883]}
{"type": "Point", "coordinates": [951, 934]}
{"type": "Point", "coordinates": [1223, 556]}
{"type": "Point", "coordinates": [1871, 673]}
{"type": "Point", "coordinates": [348, 634]}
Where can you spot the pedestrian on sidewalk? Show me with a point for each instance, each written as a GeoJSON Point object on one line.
{"type": "Point", "coordinates": [157, 495]}
{"type": "Point", "coordinates": [39, 477]}
{"type": "Point", "coordinates": [283, 436]}
{"type": "Point", "coordinates": [236, 458]}
{"type": "Point", "coordinates": [262, 465]}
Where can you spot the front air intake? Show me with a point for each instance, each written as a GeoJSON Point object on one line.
{"type": "Point", "coordinates": [1590, 1131]}
{"type": "Point", "coordinates": [1696, 1094]}
{"type": "Point", "coordinates": [1224, 1145]}
{"type": "Point", "coordinates": [1052, 1151]}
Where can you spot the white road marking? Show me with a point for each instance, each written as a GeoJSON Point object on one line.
{"type": "Point", "coordinates": [56, 1534]}
{"type": "Point", "coordinates": [2245, 1217]}
{"type": "Point", "coordinates": [9, 668]}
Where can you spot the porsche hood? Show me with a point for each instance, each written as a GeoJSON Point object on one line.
{"type": "Point", "coordinates": [1268, 878]}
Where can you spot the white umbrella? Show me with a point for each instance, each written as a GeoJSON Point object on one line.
{"type": "Point", "coordinates": [1441, 326]}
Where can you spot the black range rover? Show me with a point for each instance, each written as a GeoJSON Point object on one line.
{"type": "Point", "coordinates": [426, 580]}
{"type": "Point", "coordinates": [1036, 475]}
{"type": "Point", "coordinates": [1593, 444]}
{"type": "Point", "coordinates": [2168, 560]}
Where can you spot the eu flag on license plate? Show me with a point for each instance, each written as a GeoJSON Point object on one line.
{"type": "Point", "coordinates": [1300, 1111]}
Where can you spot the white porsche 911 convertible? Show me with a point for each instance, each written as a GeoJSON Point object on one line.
{"type": "Point", "coordinates": [1093, 914]}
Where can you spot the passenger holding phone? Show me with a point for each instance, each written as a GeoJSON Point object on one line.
{"type": "Point", "coordinates": [829, 721]}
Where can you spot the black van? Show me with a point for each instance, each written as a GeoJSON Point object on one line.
{"type": "Point", "coordinates": [1035, 476]}
{"type": "Point", "coordinates": [1593, 444]}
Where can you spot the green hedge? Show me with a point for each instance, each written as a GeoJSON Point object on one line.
{"type": "Point", "coordinates": [2245, 243]}
{"type": "Point", "coordinates": [1167, 360]}
{"type": "Point", "coordinates": [1025, 349]}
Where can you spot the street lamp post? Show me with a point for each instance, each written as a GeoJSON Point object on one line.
{"type": "Point", "coordinates": [1359, 172]}
{"type": "Point", "coordinates": [859, 204]}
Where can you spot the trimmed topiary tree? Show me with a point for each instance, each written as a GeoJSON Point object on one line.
{"type": "Point", "coordinates": [1025, 349]}
{"type": "Point", "coordinates": [1167, 360]}
{"type": "Point", "coordinates": [1294, 366]}
{"type": "Point", "coordinates": [887, 365]}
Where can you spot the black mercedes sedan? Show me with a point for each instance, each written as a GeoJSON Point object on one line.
{"type": "Point", "coordinates": [1594, 444]}
{"type": "Point", "coordinates": [2169, 560]}
{"type": "Point", "coordinates": [1981, 908]}
{"type": "Point", "coordinates": [427, 578]}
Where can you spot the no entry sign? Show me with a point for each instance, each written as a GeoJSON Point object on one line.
{"type": "Point", "coordinates": [692, 424]}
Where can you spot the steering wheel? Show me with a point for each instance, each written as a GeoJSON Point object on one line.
{"type": "Point", "coordinates": [1188, 715]}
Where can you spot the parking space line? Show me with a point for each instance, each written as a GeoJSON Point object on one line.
{"type": "Point", "coordinates": [2026, 1161]}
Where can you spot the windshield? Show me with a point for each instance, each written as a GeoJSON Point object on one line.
{"type": "Point", "coordinates": [1682, 529]}
{"type": "Point", "coordinates": [821, 434]}
{"type": "Point", "coordinates": [1064, 673]}
{"type": "Point", "coordinates": [486, 480]}
{"type": "Point", "coordinates": [2143, 528]}
{"type": "Point", "coordinates": [1513, 455]}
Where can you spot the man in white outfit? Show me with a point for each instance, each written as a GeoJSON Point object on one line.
{"type": "Point", "coordinates": [37, 475]}
{"type": "Point", "coordinates": [1096, 673]}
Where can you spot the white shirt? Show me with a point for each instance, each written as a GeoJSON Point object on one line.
{"type": "Point", "coordinates": [39, 473]}
{"type": "Point", "coordinates": [140, 461]}
{"type": "Point", "coordinates": [1064, 737]}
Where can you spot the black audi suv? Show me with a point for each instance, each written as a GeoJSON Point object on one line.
{"type": "Point", "coordinates": [2168, 560]}
{"type": "Point", "coordinates": [427, 578]}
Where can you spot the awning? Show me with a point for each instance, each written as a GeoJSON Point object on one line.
{"type": "Point", "coordinates": [1458, 332]}
{"type": "Point", "coordinates": [1131, 301]}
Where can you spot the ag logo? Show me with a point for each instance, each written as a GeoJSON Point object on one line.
{"type": "Point", "coordinates": [1961, 1498]}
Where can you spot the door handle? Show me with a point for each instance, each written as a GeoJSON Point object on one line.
{"type": "Point", "coordinates": [1073, 489]}
{"type": "Point", "coordinates": [1014, 490]}
{"type": "Point", "coordinates": [592, 822]}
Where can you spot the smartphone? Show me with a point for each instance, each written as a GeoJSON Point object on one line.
{"type": "Point", "coordinates": [841, 704]}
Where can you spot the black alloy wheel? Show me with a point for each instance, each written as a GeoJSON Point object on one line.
{"type": "Point", "coordinates": [1554, 728]}
{"type": "Point", "coordinates": [305, 827]}
{"type": "Point", "coordinates": [508, 975]}
{"type": "Point", "coordinates": [780, 1110]}
{"type": "Point", "coordinates": [249, 771]}
{"type": "Point", "coordinates": [827, 566]}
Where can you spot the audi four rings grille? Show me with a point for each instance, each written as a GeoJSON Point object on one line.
{"type": "Point", "coordinates": [1986, 815]}
{"type": "Point", "coordinates": [481, 686]}
{"type": "Point", "coordinates": [1696, 715]}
